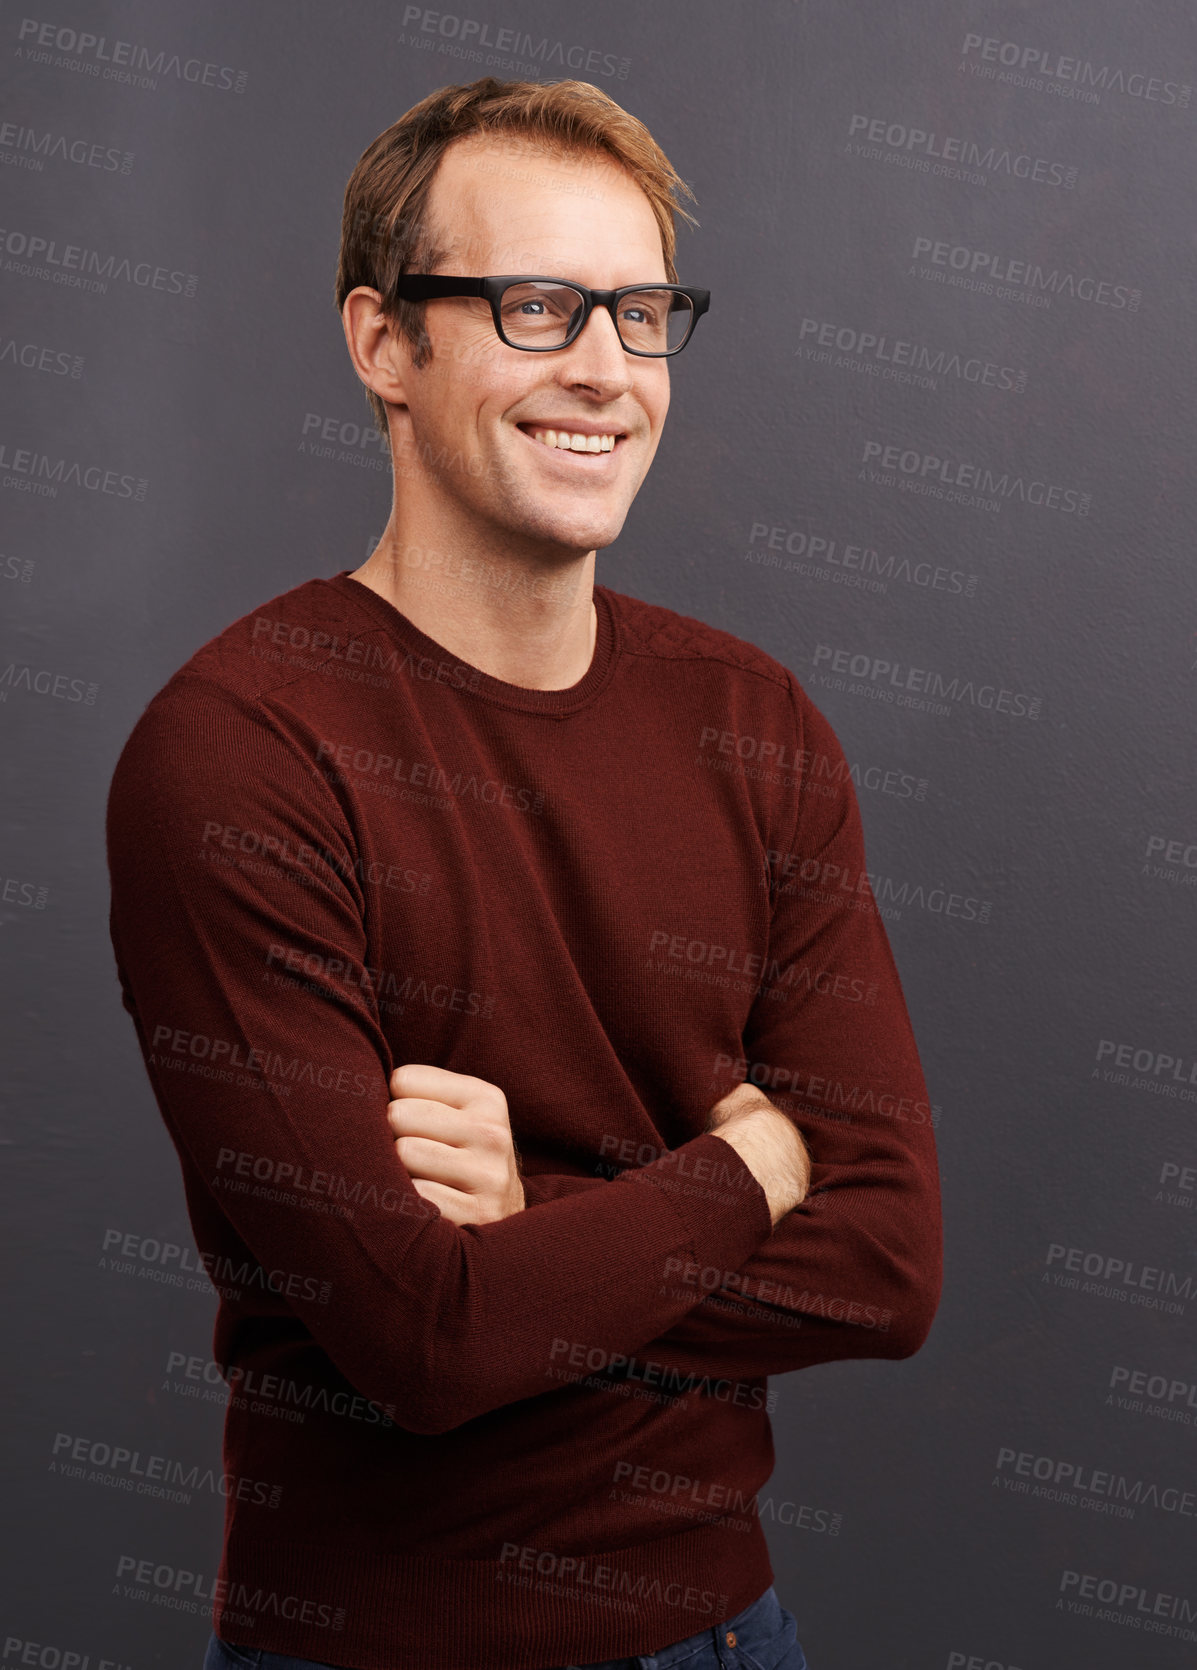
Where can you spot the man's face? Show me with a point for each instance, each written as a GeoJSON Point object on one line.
{"type": "Point", "coordinates": [501, 206]}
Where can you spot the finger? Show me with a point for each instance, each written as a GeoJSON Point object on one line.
{"type": "Point", "coordinates": [433, 1162]}
{"type": "Point", "coordinates": [458, 1208]}
{"type": "Point", "coordinates": [413, 1116]}
{"type": "Point", "coordinates": [481, 1126]}
{"type": "Point", "coordinates": [438, 1084]}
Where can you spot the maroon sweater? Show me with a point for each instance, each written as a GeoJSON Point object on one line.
{"type": "Point", "coordinates": [335, 848]}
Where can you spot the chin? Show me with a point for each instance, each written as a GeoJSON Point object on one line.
{"type": "Point", "coordinates": [590, 535]}
{"type": "Point", "coordinates": [578, 527]}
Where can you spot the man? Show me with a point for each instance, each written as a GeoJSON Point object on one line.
{"type": "Point", "coordinates": [458, 934]}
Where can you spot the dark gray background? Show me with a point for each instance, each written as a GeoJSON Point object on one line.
{"type": "Point", "coordinates": [1058, 823]}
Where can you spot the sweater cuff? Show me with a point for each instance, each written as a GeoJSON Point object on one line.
{"type": "Point", "coordinates": [540, 1186]}
{"type": "Point", "coordinates": [716, 1195]}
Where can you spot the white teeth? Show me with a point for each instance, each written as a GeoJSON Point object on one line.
{"type": "Point", "coordinates": [565, 441]}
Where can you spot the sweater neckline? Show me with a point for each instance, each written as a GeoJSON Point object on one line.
{"type": "Point", "coordinates": [516, 696]}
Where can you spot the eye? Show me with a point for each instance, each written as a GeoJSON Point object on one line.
{"type": "Point", "coordinates": [643, 313]}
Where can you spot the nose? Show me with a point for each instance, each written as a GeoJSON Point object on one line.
{"type": "Point", "coordinates": [596, 358]}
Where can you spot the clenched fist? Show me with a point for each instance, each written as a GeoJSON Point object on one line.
{"type": "Point", "coordinates": [453, 1134]}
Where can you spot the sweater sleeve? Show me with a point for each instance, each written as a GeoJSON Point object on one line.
{"type": "Point", "coordinates": [443, 1322]}
{"type": "Point", "coordinates": [855, 1270]}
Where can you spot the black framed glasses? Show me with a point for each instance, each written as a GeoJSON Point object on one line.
{"type": "Point", "coordinates": [540, 315]}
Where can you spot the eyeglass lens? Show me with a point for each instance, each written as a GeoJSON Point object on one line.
{"type": "Point", "coordinates": [537, 314]}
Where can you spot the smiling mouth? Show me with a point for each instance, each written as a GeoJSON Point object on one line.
{"type": "Point", "coordinates": [568, 440]}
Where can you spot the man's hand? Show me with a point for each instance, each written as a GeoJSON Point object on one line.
{"type": "Point", "coordinates": [769, 1143]}
{"type": "Point", "coordinates": [453, 1134]}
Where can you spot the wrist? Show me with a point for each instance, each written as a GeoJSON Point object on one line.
{"type": "Point", "coordinates": [756, 1146]}
{"type": "Point", "coordinates": [772, 1148]}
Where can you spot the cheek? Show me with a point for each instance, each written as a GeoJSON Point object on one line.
{"type": "Point", "coordinates": [472, 373]}
{"type": "Point", "coordinates": [657, 400]}
{"type": "Point", "coordinates": [464, 350]}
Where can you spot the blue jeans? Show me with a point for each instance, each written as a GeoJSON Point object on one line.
{"type": "Point", "coordinates": [763, 1636]}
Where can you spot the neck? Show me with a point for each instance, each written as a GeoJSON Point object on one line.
{"type": "Point", "coordinates": [526, 619]}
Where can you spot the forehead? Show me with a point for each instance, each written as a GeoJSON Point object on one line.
{"type": "Point", "coordinates": [501, 203]}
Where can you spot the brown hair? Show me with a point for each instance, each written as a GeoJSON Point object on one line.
{"type": "Point", "coordinates": [384, 229]}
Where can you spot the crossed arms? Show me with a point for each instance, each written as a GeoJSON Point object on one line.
{"type": "Point", "coordinates": [447, 1319]}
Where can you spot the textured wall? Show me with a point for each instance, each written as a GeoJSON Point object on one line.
{"type": "Point", "coordinates": [932, 448]}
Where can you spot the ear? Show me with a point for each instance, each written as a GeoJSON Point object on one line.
{"type": "Point", "coordinates": [381, 358]}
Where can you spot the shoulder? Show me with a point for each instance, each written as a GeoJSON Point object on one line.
{"type": "Point", "coordinates": [281, 643]}
{"type": "Point", "coordinates": [754, 699]}
{"type": "Point", "coordinates": [650, 629]}
{"type": "Point", "coordinates": [239, 703]}
{"type": "Point", "coordinates": [271, 658]}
